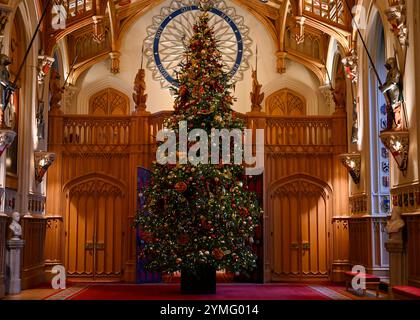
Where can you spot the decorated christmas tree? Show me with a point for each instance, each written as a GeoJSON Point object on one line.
{"type": "Point", "coordinates": [200, 214]}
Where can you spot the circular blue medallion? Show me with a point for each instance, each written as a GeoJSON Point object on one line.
{"type": "Point", "coordinates": [168, 53]}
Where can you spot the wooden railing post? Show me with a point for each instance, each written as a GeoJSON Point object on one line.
{"type": "Point", "coordinates": [139, 155]}
{"type": "Point", "coordinates": [54, 209]}
{"type": "Point", "coordinates": [257, 120]}
{"type": "Point", "coordinates": [340, 254]}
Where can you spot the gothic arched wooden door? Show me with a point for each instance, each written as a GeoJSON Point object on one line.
{"type": "Point", "coordinates": [299, 208]}
{"type": "Point", "coordinates": [94, 229]}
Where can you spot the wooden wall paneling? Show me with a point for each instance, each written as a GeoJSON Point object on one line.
{"type": "Point", "coordinates": [289, 256]}
{"type": "Point", "coordinates": [339, 181]}
{"type": "Point", "coordinates": [358, 241]}
{"type": "Point", "coordinates": [71, 225]}
{"type": "Point", "coordinates": [285, 234]}
{"type": "Point", "coordinates": [278, 260]}
{"type": "Point", "coordinates": [367, 238]}
{"type": "Point", "coordinates": [340, 247]}
{"type": "Point", "coordinates": [354, 235]}
{"type": "Point", "coordinates": [80, 233]}
{"type": "Point", "coordinates": [363, 244]}
{"type": "Point", "coordinates": [380, 236]}
{"type": "Point", "coordinates": [80, 44]}
{"type": "Point", "coordinates": [296, 145]}
{"type": "Point", "coordinates": [267, 219]}
{"type": "Point", "coordinates": [103, 211]}
{"type": "Point", "coordinates": [3, 235]}
{"type": "Point", "coordinates": [53, 241]}
{"type": "Point", "coordinates": [281, 235]}
{"type": "Point", "coordinates": [286, 254]}
{"type": "Point", "coordinates": [305, 208]}
{"type": "Point", "coordinates": [412, 245]}
{"type": "Point", "coordinates": [33, 258]}
{"type": "Point", "coordinates": [109, 217]}
{"type": "Point", "coordinates": [295, 253]}
{"type": "Point", "coordinates": [316, 252]}
{"type": "Point", "coordinates": [319, 248]}
{"type": "Point", "coordinates": [299, 145]}
{"type": "Point", "coordinates": [54, 210]}
{"type": "Point", "coordinates": [141, 154]}
{"type": "Point", "coordinates": [322, 236]}
{"type": "Point", "coordinates": [88, 203]}
{"type": "Point", "coordinates": [119, 209]}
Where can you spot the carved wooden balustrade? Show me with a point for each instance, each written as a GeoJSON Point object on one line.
{"type": "Point", "coordinates": [333, 11]}
{"type": "Point", "coordinates": [74, 10]}
{"type": "Point", "coordinates": [156, 124]}
{"type": "Point", "coordinates": [298, 131]}
{"type": "Point", "coordinates": [85, 130]}
{"type": "Point", "coordinates": [294, 132]}
{"type": "Point", "coordinates": [78, 8]}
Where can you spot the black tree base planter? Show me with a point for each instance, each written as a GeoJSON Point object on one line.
{"type": "Point", "coordinates": [202, 280]}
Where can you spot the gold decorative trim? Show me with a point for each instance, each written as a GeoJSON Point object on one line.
{"type": "Point", "coordinates": [352, 162]}
{"type": "Point", "coordinates": [42, 161]}
{"type": "Point", "coordinates": [397, 142]}
{"type": "Point", "coordinates": [407, 198]}
{"type": "Point", "coordinates": [358, 204]}
{"type": "Point", "coordinates": [6, 139]}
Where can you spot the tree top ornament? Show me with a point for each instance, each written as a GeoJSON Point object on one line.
{"type": "Point", "coordinates": [205, 5]}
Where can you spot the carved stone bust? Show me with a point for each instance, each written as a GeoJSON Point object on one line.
{"type": "Point", "coordinates": [395, 224]}
{"type": "Point", "coordinates": [15, 226]}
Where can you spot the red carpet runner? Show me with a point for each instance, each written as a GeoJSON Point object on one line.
{"type": "Point", "coordinates": [108, 291]}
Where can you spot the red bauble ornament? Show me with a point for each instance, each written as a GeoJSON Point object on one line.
{"type": "Point", "coordinates": [181, 187]}
{"type": "Point", "coordinates": [218, 254]}
{"type": "Point", "coordinates": [244, 211]}
{"type": "Point", "coordinates": [204, 112]}
{"type": "Point", "coordinates": [182, 90]}
{"type": "Point", "coordinates": [147, 236]}
{"type": "Point", "coordinates": [183, 239]}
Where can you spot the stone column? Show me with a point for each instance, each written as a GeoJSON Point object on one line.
{"type": "Point", "coordinates": [14, 247]}
{"type": "Point", "coordinates": [3, 225]}
{"type": "Point", "coordinates": [397, 259]}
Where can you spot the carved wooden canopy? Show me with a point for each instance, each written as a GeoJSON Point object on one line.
{"type": "Point", "coordinates": [285, 102]}
{"type": "Point", "coordinates": [109, 102]}
{"type": "Point", "coordinates": [94, 29]}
